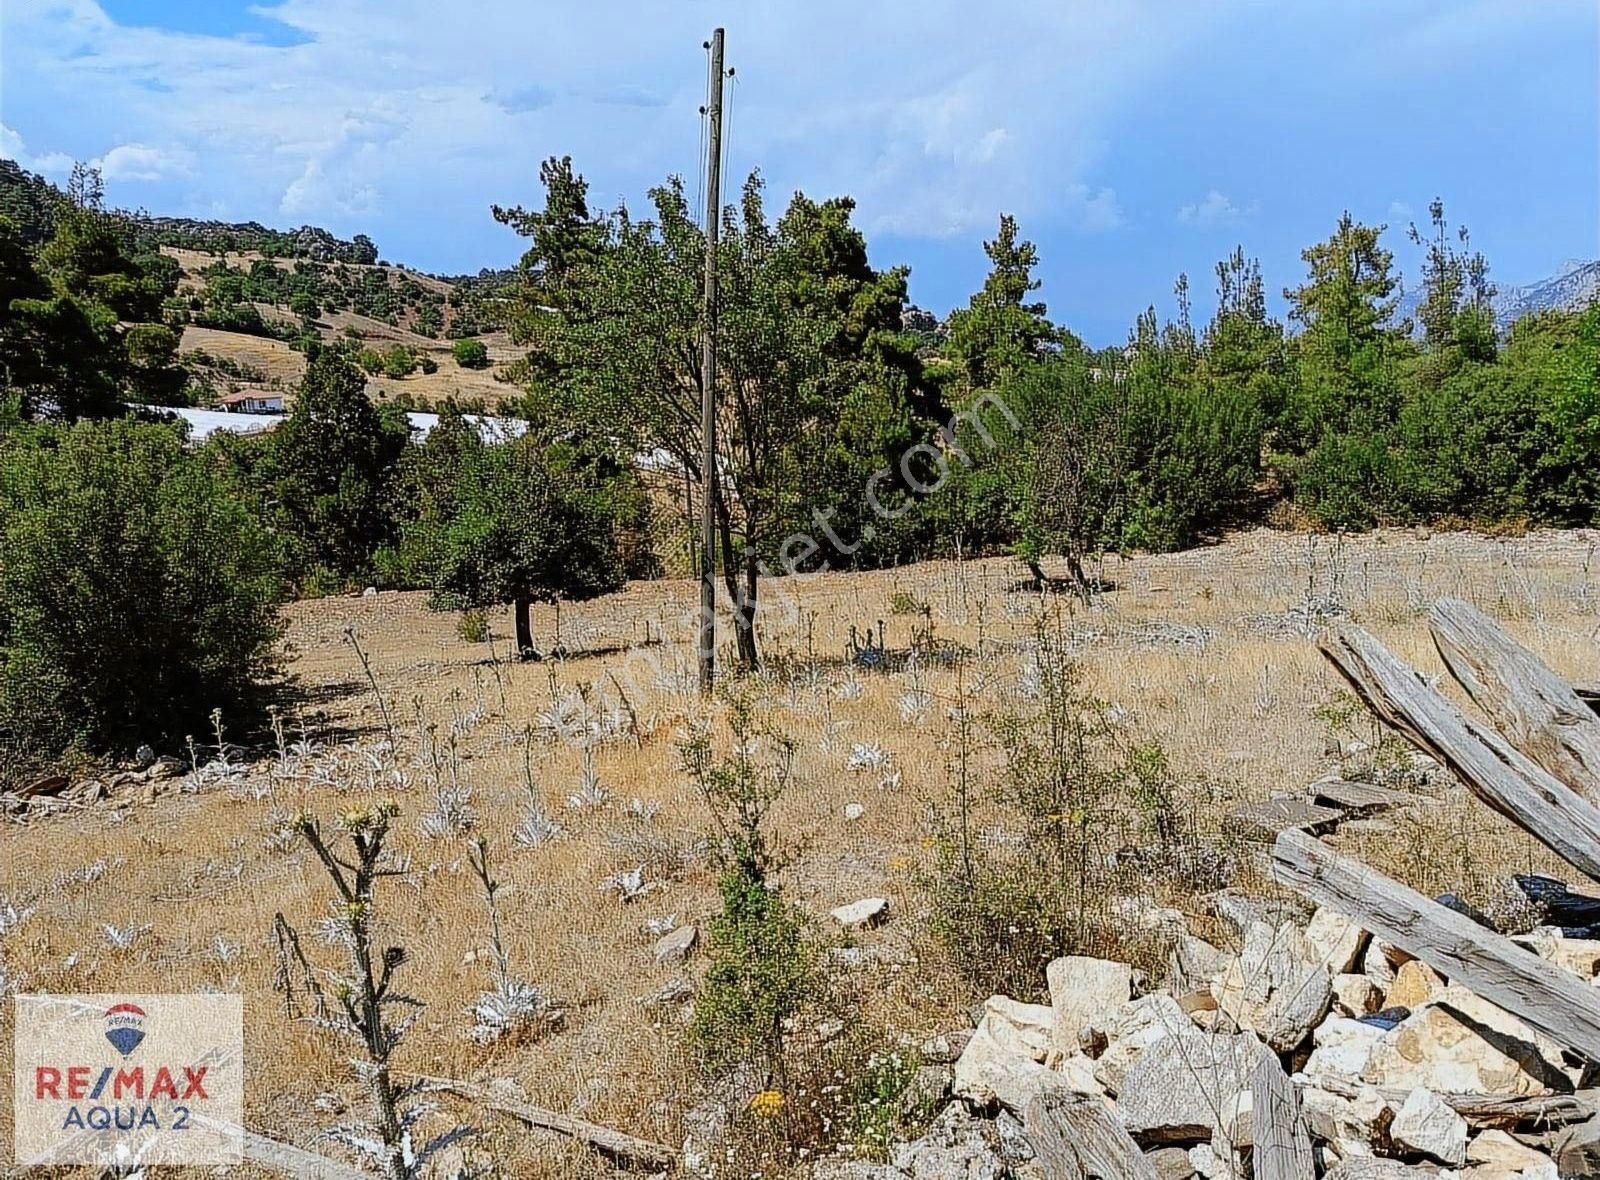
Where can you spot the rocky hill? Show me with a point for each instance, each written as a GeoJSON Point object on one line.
{"type": "Point", "coordinates": [222, 237]}
{"type": "Point", "coordinates": [30, 201]}
{"type": "Point", "coordinates": [1572, 288]}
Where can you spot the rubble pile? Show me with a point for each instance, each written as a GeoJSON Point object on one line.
{"type": "Point", "coordinates": [1398, 1072]}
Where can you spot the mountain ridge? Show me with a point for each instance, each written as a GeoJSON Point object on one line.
{"type": "Point", "coordinates": [1574, 285]}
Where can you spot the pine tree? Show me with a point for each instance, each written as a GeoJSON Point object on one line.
{"type": "Point", "coordinates": [1001, 329]}
{"type": "Point", "coordinates": [332, 464]}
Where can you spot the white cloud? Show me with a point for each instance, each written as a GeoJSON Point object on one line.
{"type": "Point", "coordinates": [1098, 209]}
{"type": "Point", "coordinates": [406, 104]}
{"type": "Point", "coordinates": [141, 161]}
{"type": "Point", "coordinates": [49, 164]}
{"type": "Point", "coordinates": [1215, 209]}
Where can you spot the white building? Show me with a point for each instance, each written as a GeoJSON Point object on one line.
{"type": "Point", "coordinates": [203, 423]}
{"type": "Point", "coordinates": [253, 401]}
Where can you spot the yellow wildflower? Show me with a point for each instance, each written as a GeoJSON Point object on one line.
{"type": "Point", "coordinates": [767, 1104]}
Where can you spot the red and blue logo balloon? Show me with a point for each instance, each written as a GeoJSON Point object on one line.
{"type": "Point", "coordinates": [125, 1027]}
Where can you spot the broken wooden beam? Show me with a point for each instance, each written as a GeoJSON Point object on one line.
{"type": "Point", "coordinates": [1281, 1143]}
{"type": "Point", "coordinates": [617, 1145]}
{"type": "Point", "coordinates": [1077, 1137]}
{"type": "Point", "coordinates": [1484, 1111]}
{"type": "Point", "coordinates": [1268, 817]}
{"type": "Point", "coordinates": [296, 1161]}
{"type": "Point", "coordinates": [1555, 1002]}
{"type": "Point", "coordinates": [1357, 800]}
{"type": "Point", "coordinates": [1505, 779]}
{"type": "Point", "coordinates": [1535, 710]}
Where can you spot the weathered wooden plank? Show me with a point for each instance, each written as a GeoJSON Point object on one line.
{"type": "Point", "coordinates": [1482, 1111]}
{"type": "Point", "coordinates": [1282, 1145]}
{"type": "Point", "coordinates": [1076, 1137]}
{"type": "Point", "coordinates": [1505, 779]}
{"type": "Point", "coordinates": [282, 1156]}
{"type": "Point", "coordinates": [1268, 817]}
{"type": "Point", "coordinates": [1555, 1002]}
{"type": "Point", "coordinates": [1357, 799]}
{"type": "Point", "coordinates": [296, 1161]}
{"type": "Point", "coordinates": [623, 1148]}
{"type": "Point", "coordinates": [1536, 711]}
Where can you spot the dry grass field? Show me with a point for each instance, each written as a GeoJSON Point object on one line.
{"type": "Point", "coordinates": [1210, 652]}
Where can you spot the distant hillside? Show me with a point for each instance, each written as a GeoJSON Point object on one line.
{"type": "Point", "coordinates": [249, 298]}
{"type": "Point", "coordinates": [251, 237]}
{"type": "Point", "coordinates": [1572, 288]}
{"type": "Point", "coordinates": [246, 320]}
{"type": "Point", "coordinates": [30, 200]}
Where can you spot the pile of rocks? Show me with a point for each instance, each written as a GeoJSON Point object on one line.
{"type": "Point", "coordinates": [1398, 1071]}
{"type": "Point", "coordinates": [51, 793]}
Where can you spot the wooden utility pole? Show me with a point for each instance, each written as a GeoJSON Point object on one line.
{"type": "Point", "coordinates": [708, 377]}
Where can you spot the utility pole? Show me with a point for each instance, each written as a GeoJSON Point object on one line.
{"type": "Point", "coordinates": [708, 378]}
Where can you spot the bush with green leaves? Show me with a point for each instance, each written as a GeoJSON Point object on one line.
{"type": "Point", "coordinates": [1071, 795]}
{"type": "Point", "coordinates": [399, 361]}
{"type": "Point", "coordinates": [763, 968]}
{"type": "Point", "coordinates": [138, 593]}
{"type": "Point", "coordinates": [473, 625]}
{"type": "Point", "coordinates": [1070, 464]}
{"type": "Point", "coordinates": [63, 351]}
{"type": "Point", "coordinates": [471, 354]}
{"type": "Point", "coordinates": [1512, 438]}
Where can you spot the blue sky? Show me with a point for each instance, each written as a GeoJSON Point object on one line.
{"type": "Point", "coordinates": [1133, 138]}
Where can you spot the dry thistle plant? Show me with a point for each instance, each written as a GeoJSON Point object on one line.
{"type": "Point", "coordinates": [513, 1008]}
{"type": "Point", "coordinates": [365, 997]}
{"type": "Point", "coordinates": [534, 827]}
{"type": "Point", "coordinates": [451, 813]}
{"type": "Point", "coordinates": [372, 680]}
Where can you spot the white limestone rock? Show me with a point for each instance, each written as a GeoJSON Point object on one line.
{"type": "Point", "coordinates": [1342, 1048]}
{"type": "Point", "coordinates": [1194, 963]}
{"type": "Point", "coordinates": [674, 947]}
{"type": "Point", "coordinates": [1581, 956]}
{"type": "Point", "coordinates": [1380, 961]}
{"type": "Point", "coordinates": [1426, 1124]}
{"type": "Point", "coordinates": [1140, 1024]}
{"type": "Point", "coordinates": [869, 911]}
{"type": "Point", "coordinates": [1335, 940]}
{"type": "Point", "coordinates": [1356, 995]}
{"type": "Point", "coordinates": [1350, 1123]}
{"type": "Point", "coordinates": [1180, 1086]}
{"type": "Point", "coordinates": [1025, 1028]}
{"type": "Point", "coordinates": [1085, 992]}
{"type": "Point", "coordinates": [992, 1069]}
{"type": "Point", "coordinates": [1277, 986]}
{"type": "Point", "coordinates": [1498, 1150]}
{"type": "Point", "coordinates": [1439, 1047]}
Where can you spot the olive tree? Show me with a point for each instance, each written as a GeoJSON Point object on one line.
{"type": "Point", "coordinates": [527, 523]}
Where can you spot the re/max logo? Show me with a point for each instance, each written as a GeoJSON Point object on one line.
{"type": "Point", "coordinates": [72, 1082]}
